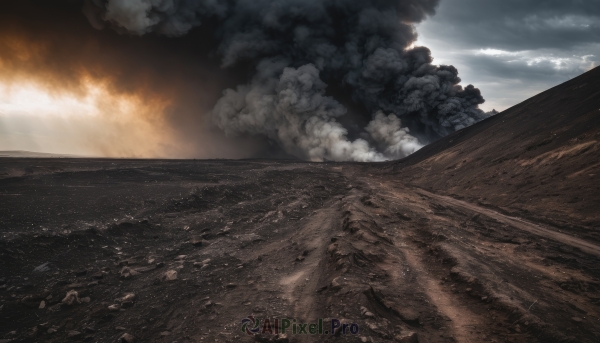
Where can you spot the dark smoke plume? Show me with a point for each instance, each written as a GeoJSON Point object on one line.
{"type": "Point", "coordinates": [298, 47]}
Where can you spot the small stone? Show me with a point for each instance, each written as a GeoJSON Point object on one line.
{"type": "Point", "coordinates": [577, 319]}
{"type": "Point", "coordinates": [336, 283]}
{"type": "Point", "coordinates": [93, 283]}
{"type": "Point", "coordinates": [51, 331]}
{"type": "Point", "coordinates": [127, 273]}
{"type": "Point", "coordinates": [198, 241]}
{"type": "Point", "coordinates": [300, 258]}
{"type": "Point", "coordinates": [170, 275]}
{"type": "Point", "coordinates": [165, 333]}
{"type": "Point", "coordinates": [42, 305]}
{"type": "Point", "coordinates": [127, 338]}
{"type": "Point", "coordinates": [127, 301]}
{"type": "Point", "coordinates": [98, 276]}
{"type": "Point", "coordinates": [409, 337]}
{"type": "Point", "coordinates": [160, 264]}
{"type": "Point", "coordinates": [86, 300]}
{"type": "Point", "coordinates": [71, 298]}
{"type": "Point", "coordinates": [114, 307]}
{"type": "Point", "coordinates": [231, 285]}
{"type": "Point", "coordinates": [74, 334]}
{"type": "Point", "coordinates": [129, 297]}
{"type": "Point", "coordinates": [43, 268]}
{"type": "Point", "coordinates": [89, 330]}
{"type": "Point", "coordinates": [120, 328]}
{"type": "Point", "coordinates": [484, 298]}
{"type": "Point", "coordinates": [180, 257]}
{"type": "Point", "coordinates": [469, 290]}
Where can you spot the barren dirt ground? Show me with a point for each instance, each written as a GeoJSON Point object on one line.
{"type": "Point", "coordinates": [204, 244]}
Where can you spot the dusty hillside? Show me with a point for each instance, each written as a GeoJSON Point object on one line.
{"type": "Point", "coordinates": [539, 159]}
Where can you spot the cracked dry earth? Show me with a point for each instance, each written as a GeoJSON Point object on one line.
{"type": "Point", "coordinates": [182, 251]}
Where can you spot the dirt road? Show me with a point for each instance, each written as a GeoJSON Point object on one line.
{"type": "Point", "coordinates": [204, 245]}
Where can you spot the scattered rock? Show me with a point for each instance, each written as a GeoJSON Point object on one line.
{"type": "Point", "coordinates": [336, 283]}
{"type": "Point", "coordinates": [231, 285]}
{"type": "Point", "coordinates": [198, 241]}
{"type": "Point", "coordinates": [300, 258]}
{"type": "Point", "coordinates": [74, 334]}
{"type": "Point", "coordinates": [42, 305]}
{"type": "Point", "coordinates": [577, 319]}
{"type": "Point", "coordinates": [366, 313]}
{"type": "Point", "coordinates": [127, 273]}
{"type": "Point", "coordinates": [127, 338]}
{"type": "Point", "coordinates": [409, 337]}
{"type": "Point", "coordinates": [180, 257]}
{"type": "Point", "coordinates": [165, 333]}
{"type": "Point", "coordinates": [71, 298]}
{"type": "Point", "coordinates": [114, 307]}
{"type": "Point", "coordinates": [170, 275]}
{"type": "Point", "coordinates": [98, 276]}
{"type": "Point", "coordinates": [43, 268]}
{"type": "Point", "coordinates": [127, 300]}
{"type": "Point", "coordinates": [86, 300]}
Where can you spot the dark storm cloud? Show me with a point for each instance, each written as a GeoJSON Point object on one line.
{"type": "Point", "coordinates": [519, 25]}
{"type": "Point", "coordinates": [525, 66]}
{"type": "Point", "coordinates": [529, 45]}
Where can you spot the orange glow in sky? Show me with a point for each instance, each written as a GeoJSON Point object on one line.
{"type": "Point", "coordinates": [92, 122]}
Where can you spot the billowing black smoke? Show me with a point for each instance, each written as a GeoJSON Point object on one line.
{"type": "Point", "coordinates": [299, 47]}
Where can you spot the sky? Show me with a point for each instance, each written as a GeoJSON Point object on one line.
{"type": "Point", "coordinates": [311, 79]}
{"type": "Point", "coordinates": [514, 49]}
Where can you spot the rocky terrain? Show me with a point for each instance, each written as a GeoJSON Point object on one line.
{"type": "Point", "coordinates": [488, 235]}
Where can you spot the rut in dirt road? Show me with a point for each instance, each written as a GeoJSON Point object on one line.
{"type": "Point", "coordinates": [518, 223]}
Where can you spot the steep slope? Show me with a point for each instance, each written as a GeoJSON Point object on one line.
{"type": "Point", "coordinates": [537, 160]}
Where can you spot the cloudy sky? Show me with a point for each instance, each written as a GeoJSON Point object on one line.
{"type": "Point", "coordinates": [514, 49]}
{"type": "Point", "coordinates": [222, 79]}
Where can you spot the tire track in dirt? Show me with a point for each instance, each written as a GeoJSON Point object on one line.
{"type": "Point", "coordinates": [518, 223]}
{"type": "Point", "coordinates": [461, 317]}
{"type": "Point", "coordinates": [300, 286]}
